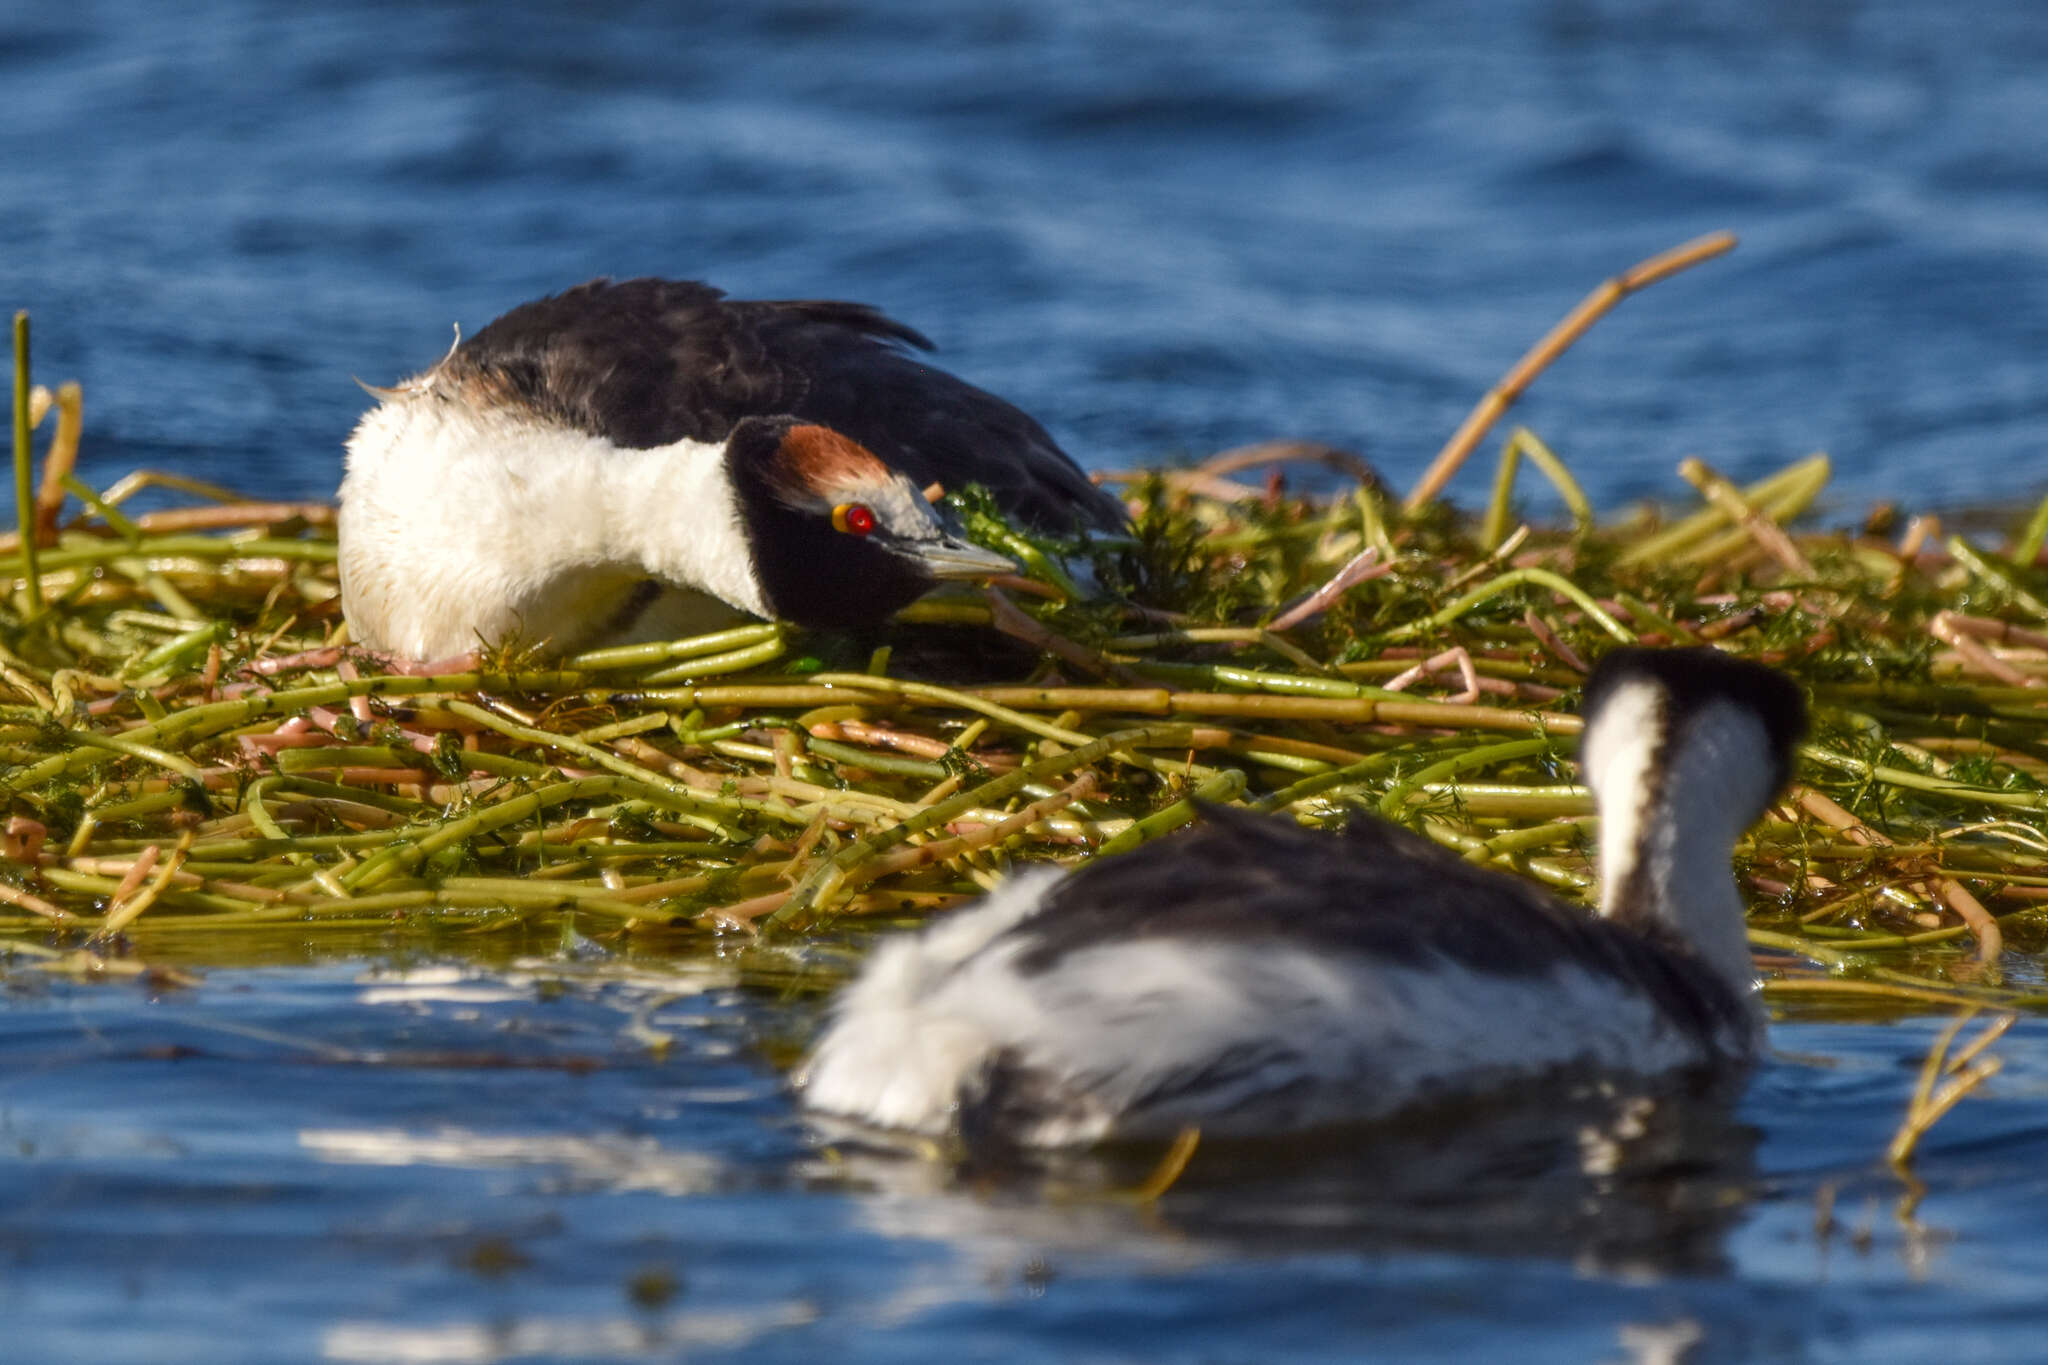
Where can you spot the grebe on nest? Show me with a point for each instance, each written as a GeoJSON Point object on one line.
{"type": "Point", "coordinates": [638, 460]}
{"type": "Point", "coordinates": [1252, 976]}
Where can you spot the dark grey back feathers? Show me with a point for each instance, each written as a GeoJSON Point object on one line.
{"type": "Point", "coordinates": [648, 362]}
{"type": "Point", "coordinates": [1381, 892]}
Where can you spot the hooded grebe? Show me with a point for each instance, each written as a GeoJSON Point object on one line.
{"type": "Point", "coordinates": [638, 460]}
{"type": "Point", "coordinates": [1252, 976]}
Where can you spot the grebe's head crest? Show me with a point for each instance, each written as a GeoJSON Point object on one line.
{"type": "Point", "coordinates": [816, 472]}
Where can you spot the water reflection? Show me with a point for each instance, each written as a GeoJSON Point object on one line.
{"type": "Point", "coordinates": [607, 1338]}
{"type": "Point", "coordinates": [1620, 1182]}
{"type": "Point", "coordinates": [456, 1192]}
{"type": "Point", "coordinates": [608, 1163]}
{"type": "Point", "coordinates": [1659, 1343]}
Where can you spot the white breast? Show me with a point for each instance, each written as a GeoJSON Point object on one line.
{"type": "Point", "coordinates": [461, 523]}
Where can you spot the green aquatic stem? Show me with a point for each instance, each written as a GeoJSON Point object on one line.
{"type": "Point", "coordinates": [24, 471]}
{"type": "Point", "coordinates": [875, 761]}
{"type": "Point", "coordinates": [78, 488]}
{"type": "Point", "coordinates": [1933, 993]}
{"type": "Point", "coordinates": [1519, 800]}
{"type": "Point", "coordinates": [1506, 582]}
{"type": "Point", "coordinates": [1225, 786]}
{"type": "Point", "coordinates": [1856, 940]}
{"type": "Point", "coordinates": [160, 590]}
{"type": "Point", "coordinates": [257, 849]}
{"type": "Point", "coordinates": [1508, 844]}
{"type": "Point", "coordinates": [1372, 522]}
{"type": "Point", "coordinates": [736, 661]}
{"type": "Point", "coordinates": [254, 801]}
{"type": "Point", "coordinates": [1038, 564]}
{"type": "Point", "coordinates": [158, 548]}
{"type": "Point", "coordinates": [950, 698]}
{"type": "Point", "coordinates": [1499, 509]}
{"type": "Point", "coordinates": [1560, 475]}
{"type": "Point", "coordinates": [2027, 548]}
{"type": "Point", "coordinates": [176, 653]}
{"type": "Point", "coordinates": [1722, 545]}
{"type": "Point", "coordinates": [1921, 782]}
{"type": "Point", "coordinates": [618, 657]}
{"type": "Point", "coordinates": [406, 856]}
{"type": "Point", "coordinates": [954, 699]}
{"type": "Point", "coordinates": [114, 812]}
{"type": "Point", "coordinates": [818, 886]}
{"type": "Point", "coordinates": [196, 722]}
{"type": "Point", "coordinates": [1997, 576]}
{"type": "Point", "coordinates": [1500, 506]}
{"type": "Point", "coordinates": [1658, 621]}
{"type": "Point", "coordinates": [1220, 676]}
{"type": "Point", "coordinates": [1839, 959]}
{"type": "Point", "coordinates": [716, 809]}
{"type": "Point", "coordinates": [1779, 497]}
{"type": "Point", "coordinates": [389, 802]}
{"type": "Point", "coordinates": [644, 723]}
{"type": "Point", "coordinates": [1270, 758]}
{"type": "Point", "coordinates": [1395, 802]}
{"type": "Point", "coordinates": [1543, 869]}
{"type": "Point", "coordinates": [129, 748]}
{"type": "Point", "coordinates": [350, 756]}
{"type": "Point", "coordinates": [1311, 787]}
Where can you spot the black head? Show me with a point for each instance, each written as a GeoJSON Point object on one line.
{"type": "Point", "coordinates": [839, 539]}
{"type": "Point", "coordinates": [1692, 679]}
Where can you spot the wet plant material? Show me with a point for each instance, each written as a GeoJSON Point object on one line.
{"type": "Point", "coordinates": [189, 746]}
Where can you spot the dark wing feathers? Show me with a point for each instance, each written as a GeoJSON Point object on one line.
{"type": "Point", "coordinates": [1379, 891]}
{"type": "Point", "coordinates": [647, 362]}
{"type": "Point", "coordinates": [851, 317]}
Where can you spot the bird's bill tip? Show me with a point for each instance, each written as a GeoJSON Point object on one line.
{"type": "Point", "coordinates": [951, 558]}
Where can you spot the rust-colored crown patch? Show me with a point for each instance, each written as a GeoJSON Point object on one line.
{"type": "Point", "coordinates": [819, 460]}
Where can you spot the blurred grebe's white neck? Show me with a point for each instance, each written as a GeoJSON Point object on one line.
{"type": "Point", "coordinates": [1675, 793]}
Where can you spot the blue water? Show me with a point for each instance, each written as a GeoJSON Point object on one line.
{"type": "Point", "coordinates": [1165, 229]}
{"type": "Point", "coordinates": [438, 1160]}
{"type": "Point", "coordinates": [1162, 228]}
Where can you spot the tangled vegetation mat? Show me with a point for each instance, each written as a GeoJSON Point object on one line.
{"type": "Point", "coordinates": [189, 742]}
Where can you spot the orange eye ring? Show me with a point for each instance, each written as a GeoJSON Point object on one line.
{"type": "Point", "coordinates": [853, 518]}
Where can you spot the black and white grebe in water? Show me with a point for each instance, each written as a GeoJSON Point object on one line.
{"type": "Point", "coordinates": [638, 460]}
{"type": "Point", "coordinates": [1252, 976]}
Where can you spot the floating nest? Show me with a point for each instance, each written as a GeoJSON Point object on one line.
{"type": "Point", "coordinates": [189, 743]}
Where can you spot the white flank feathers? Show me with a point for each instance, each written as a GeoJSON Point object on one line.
{"type": "Point", "coordinates": [889, 1057]}
{"type": "Point", "coordinates": [1333, 1037]}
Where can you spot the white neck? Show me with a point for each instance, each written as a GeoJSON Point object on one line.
{"type": "Point", "coordinates": [1669, 820]}
{"type": "Point", "coordinates": [465, 521]}
{"type": "Point", "coordinates": [675, 514]}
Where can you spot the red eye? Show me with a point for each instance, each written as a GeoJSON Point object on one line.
{"type": "Point", "coordinates": [854, 518]}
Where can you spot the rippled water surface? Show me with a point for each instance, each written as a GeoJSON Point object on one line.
{"type": "Point", "coordinates": [404, 1154]}
{"type": "Point", "coordinates": [1164, 229]}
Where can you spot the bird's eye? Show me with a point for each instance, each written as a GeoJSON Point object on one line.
{"type": "Point", "coordinates": [853, 518]}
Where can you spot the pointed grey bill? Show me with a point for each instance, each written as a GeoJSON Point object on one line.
{"type": "Point", "coordinates": [951, 557]}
